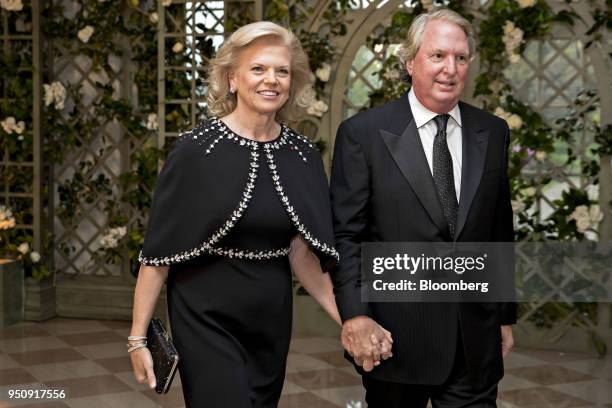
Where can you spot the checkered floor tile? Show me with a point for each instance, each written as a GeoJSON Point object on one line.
{"type": "Point", "coordinates": [87, 358]}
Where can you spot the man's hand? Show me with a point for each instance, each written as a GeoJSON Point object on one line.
{"type": "Point", "coordinates": [366, 341]}
{"type": "Point", "coordinates": [507, 339]}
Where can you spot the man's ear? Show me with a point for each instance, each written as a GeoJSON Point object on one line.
{"type": "Point", "coordinates": [408, 66]}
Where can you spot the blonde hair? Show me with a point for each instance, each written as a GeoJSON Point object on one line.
{"type": "Point", "coordinates": [409, 48]}
{"type": "Point", "coordinates": [221, 102]}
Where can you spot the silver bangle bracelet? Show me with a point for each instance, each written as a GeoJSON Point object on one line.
{"type": "Point", "coordinates": [136, 347]}
{"type": "Point", "coordinates": [137, 337]}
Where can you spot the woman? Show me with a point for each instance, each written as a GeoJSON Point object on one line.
{"type": "Point", "coordinates": [242, 199]}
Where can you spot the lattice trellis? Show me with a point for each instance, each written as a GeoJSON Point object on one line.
{"type": "Point", "coordinates": [193, 27]}
{"type": "Point", "coordinates": [20, 172]}
{"type": "Point", "coordinates": [548, 78]}
{"type": "Point", "coordinates": [106, 150]}
{"type": "Point", "coordinates": [187, 33]}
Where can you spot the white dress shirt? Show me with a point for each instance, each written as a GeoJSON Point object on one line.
{"type": "Point", "coordinates": [427, 128]}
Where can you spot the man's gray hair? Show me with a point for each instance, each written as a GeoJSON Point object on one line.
{"type": "Point", "coordinates": [409, 48]}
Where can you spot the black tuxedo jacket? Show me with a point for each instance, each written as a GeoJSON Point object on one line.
{"type": "Point", "coordinates": [382, 190]}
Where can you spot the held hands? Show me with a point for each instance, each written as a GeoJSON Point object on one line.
{"type": "Point", "coordinates": [366, 341]}
{"type": "Point", "coordinates": [507, 340]}
{"type": "Point", "coordinates": [142, 363]}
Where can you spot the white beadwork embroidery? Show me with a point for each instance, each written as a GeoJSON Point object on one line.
{"type": "Point", "coordinates": [216, 130]}
{"type": "Point", "coordinates": [321, 246]}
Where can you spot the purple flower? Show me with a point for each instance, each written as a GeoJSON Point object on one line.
{"type": "Point", "coordinates": [516, 148]}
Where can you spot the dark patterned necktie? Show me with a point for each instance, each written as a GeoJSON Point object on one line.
{"type": "Point", "coordinates": [443, 174]}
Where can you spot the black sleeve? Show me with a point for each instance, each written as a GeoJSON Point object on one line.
{"type": "Point", "coordinates": [350, 194]}
{"type": "Point", "coordinates": [193, 197]}
{"type": "Point", "coordinates": [503, 230]}
{"type": "Point", "coordinates": [307, 191]}
{"type": "Point", "coordinates": [328, 259]}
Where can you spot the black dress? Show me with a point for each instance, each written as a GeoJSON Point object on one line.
{"type": "Point", "coordinates": [224, 211]}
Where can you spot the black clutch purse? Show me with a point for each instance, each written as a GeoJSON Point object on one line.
{"type": "Point", "coordinates": [165, 357]}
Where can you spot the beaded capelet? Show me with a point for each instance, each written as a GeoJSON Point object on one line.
{"type": "Point", "coordinates": [207, 182]}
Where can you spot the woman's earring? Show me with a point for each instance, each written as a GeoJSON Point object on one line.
{"type": "Point", "coordinates": [232, 90]}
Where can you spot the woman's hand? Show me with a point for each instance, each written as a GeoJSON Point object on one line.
{"type": "Point", "coordinates": [149, 284]}
{"type": "Point", "coordinates": [142, 363]}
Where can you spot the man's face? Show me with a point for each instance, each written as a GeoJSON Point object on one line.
{"type": "Point", "coordinates": [440, 67]}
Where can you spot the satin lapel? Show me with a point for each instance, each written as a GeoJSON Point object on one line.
{"type": "Point", "coordinates": [475, 140]}
{"type": "Point", "coordinates": [407, 152]}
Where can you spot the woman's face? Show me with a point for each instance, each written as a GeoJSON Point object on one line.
{"type": "Point", "coordinates": [262, 77]}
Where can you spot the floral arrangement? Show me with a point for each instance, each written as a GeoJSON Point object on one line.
{"type": "Point", "coordinates": [22, 251]}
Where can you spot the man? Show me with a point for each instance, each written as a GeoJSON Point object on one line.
{"type": "Point", "coordinates": [424, 168]}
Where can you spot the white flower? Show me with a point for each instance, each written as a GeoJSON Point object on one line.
{"type": "Point", "coordinates": [177, 47]}
{"type": "Point", "coordinates": [323, 72]}
{"type": "Point", "coordinates": [6, 218]}
{"type": "Point", "coordinates": [512, 38]}
{"type": "Point", "coordinates": [20, 127]}
{"type": "Point", "coordinates": [595, 214]}
{"type": "Point", "coordinates": [35, 256]}
{"type": "Point", "coordinates": [55, 92]}
{"type": "Point", "coordinates": [514, 122]}
{"type": "Point", "coordinates": [517, 206]}
{"type": "Point", "coordinates": [166, 3]}
{"type": "Point", "coordinates": [5, 213]}
{"type": "Point", "coordinates": [86, 33]}
{"type": "Point", "coordinates": [8, 124]}
{"type": "Point", "coordinates": [112, 237]}
{"type": "Point", "coordinates": [152, 121]}
{"type": "Point", "coordinates": [108, 242]}
{"type": "Point", "coordinates": [586, 217]}
{"type": "Point", "coordinates": [24, 248]}
{"type": "Point", "coordinates": [526, 3]}
{"type": "Point", "coordinates": [154, 17]}
{"type": "Point", "coordinates": [540, 155]}
{"type": "Point", "coordinates": [11, 5]}
{"type": "Point", "coordinates": [582, 224]}
{"type": "Point", "coordinates": [500, 112]}
{"type": "Point", "coordinates": [49, 97]}
{"type": "Point", "coordinates": [119, 232]}
{"type": "Point", "coordinates": [392, 75]}
{"type": "Point", "coordinates": [581, 211]}
{"type": "Point", "coordinates": [379, 47]}
{"type": "Point", "coordinates": [529, 191]}
{"type": "Point", "coordinates": [317, 109]}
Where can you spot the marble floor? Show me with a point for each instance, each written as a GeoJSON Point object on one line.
{"type": "Point", "coordinates": [87, 358]}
